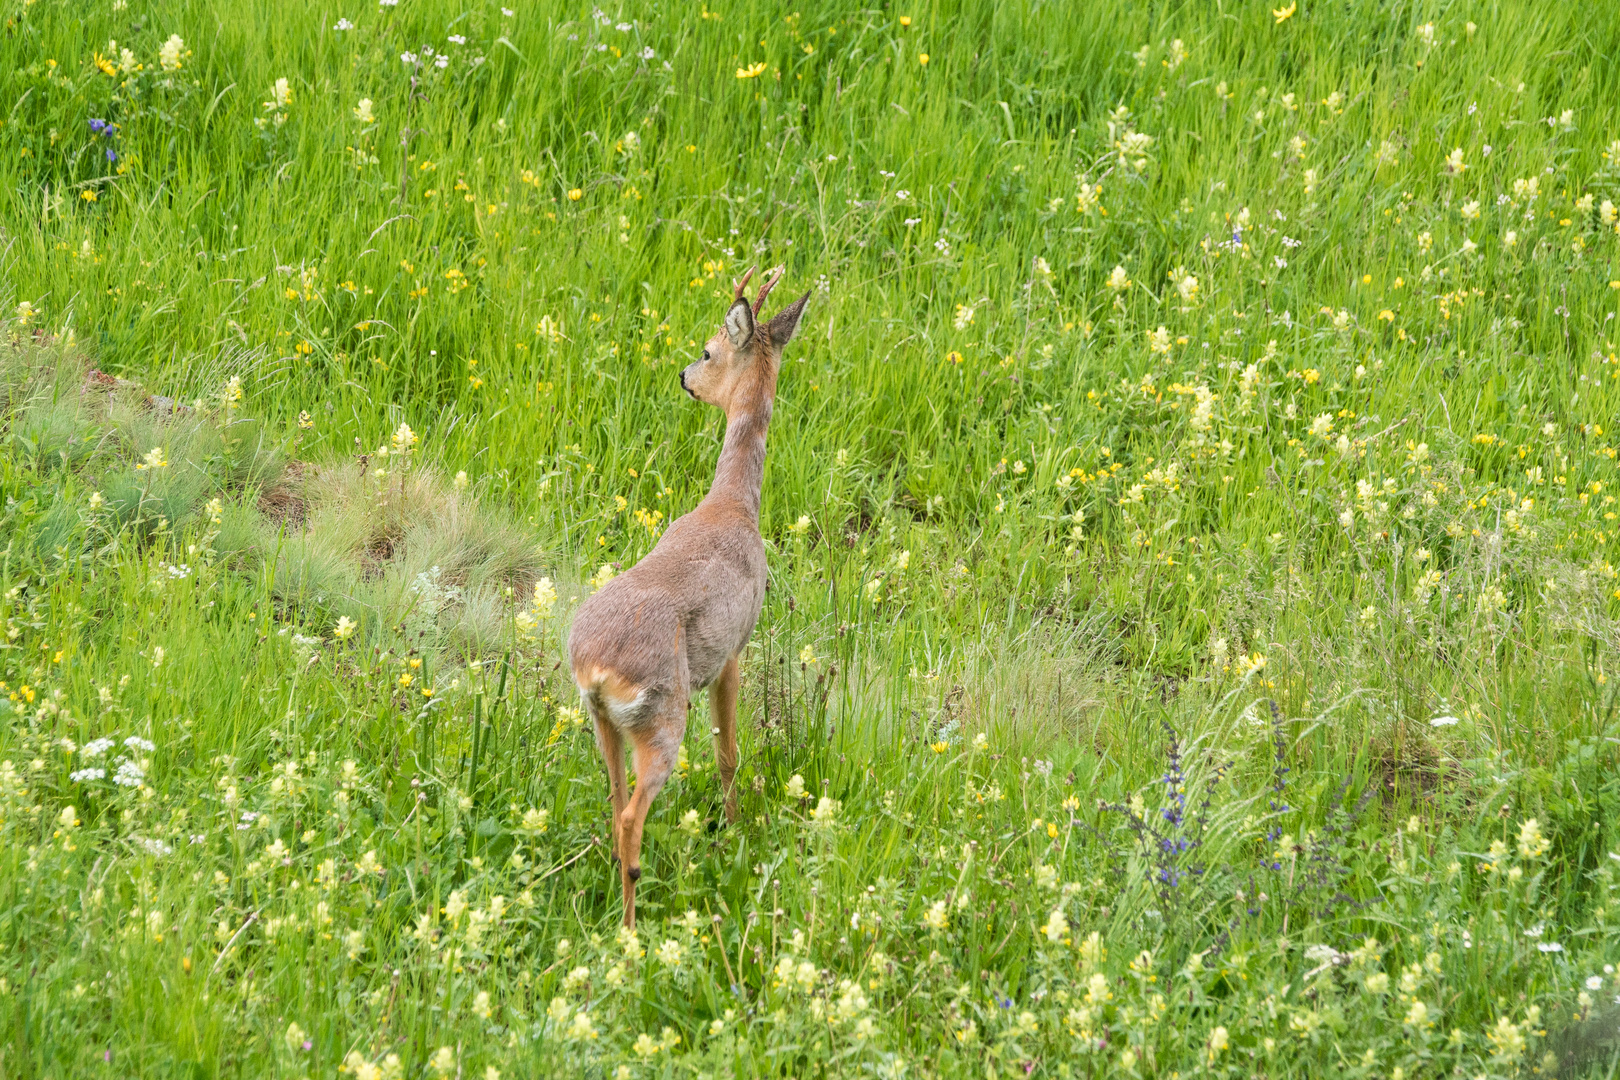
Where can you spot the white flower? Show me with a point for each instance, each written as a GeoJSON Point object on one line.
{"type": "Point", "coordinates": [170, 52]}
{"type": "Point", "coordinates": [1444, 721]}
{"type": "Point", "coordinates": [405, 57]}
{"type": "Point", "coordinates": [343, 24]}
{"type": "Point", "coordinates": [135, 742]}
{"type": "Point", "coordinates": [363, 113]}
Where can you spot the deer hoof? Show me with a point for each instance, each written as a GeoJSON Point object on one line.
{"type": "Point", "coordinates": [634, 873]}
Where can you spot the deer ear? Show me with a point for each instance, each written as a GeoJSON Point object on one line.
{"type": "Point", "coordinates": [786, 324]}
{"type": "Point", "coordinates": [740, 324]}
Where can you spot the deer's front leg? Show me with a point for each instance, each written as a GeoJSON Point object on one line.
{"type": "Point", "coordinates": [723, 705]}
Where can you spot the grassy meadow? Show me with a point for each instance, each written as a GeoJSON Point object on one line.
{"type": "Point", "coordinates": [1191, 644]}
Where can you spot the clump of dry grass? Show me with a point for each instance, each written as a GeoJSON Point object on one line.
{"type": "Point", "coordinates": [402, 551]}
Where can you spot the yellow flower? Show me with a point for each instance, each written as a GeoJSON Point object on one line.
{"type": "Point", "coordinates": [922, 58]}
{"type": "Point", "coordinates": [1281, 15]}
{"type": "Point", "coordinates": [88, 196]}
{"type": "Point", "coordinates": [575, 194]}
{"type": "Point", "coordinates": [905, 20]}
{"type": "Point", "coordinates": [752, 71]}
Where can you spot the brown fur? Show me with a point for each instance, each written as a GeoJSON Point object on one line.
{"type": "Point", "coordinates": [677, 621]}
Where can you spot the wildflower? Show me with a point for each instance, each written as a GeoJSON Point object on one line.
{"type": "Point", "coordinates": [691, 823]}
{"type": "Point", "coordinates": [1117, 280]}
{"type": "Point", "coordinates": [1377, 983]}
{"type": "Point", "coordinates": [363, 113]}
{"type": "Point", "coordinates": [443, 1061]}
{"type": "Point", "coordinates": [1506, 1039]}
{"type": "Point", "coordinates": [1282, 15]}
{"type": "Point", "coordinates": [671, 952]}
{"type": "Point", "coordinates": [807, 656]}
{"type": "Point", "coordinates": [535, 821]}
{"type": "Point", "coordinates": [154, 459]}
{"type": "Point", "coordinates": [1418, 1014]}
{"type": "Point", "coordinates": [1218, 1037]}
{"type": "Point", "coordinates": [825, 814]}
{"type": "Point", "coordinates": [801, 526]}
{"type": "Point", "coordinates": [545, 597]}
{"type": "Point", "coordinates": [169, 53]}
{"type": "Point", "coordinates": [964, 316]}
{"type": "Point", "coordinates": [345, 628]}
{"type": "Point", "coordinates": [936, 918]}
{"type": "Point", "coordinates": [404, 439]}
{"type": "Point", "coordinates": [1532, 844]}
{"type": "Point", "coordinates": [1057, 926]}
{"type": "Point", "coordinates": [795, 787]}
{"type": "Point", "coordinates": [1454, 163]}
{"type": "Point", "coordinates": [604, 574]}
{"type": "Point", "coordinates": [1159, 341]}
{"type": "Point", "coordinates": [752, 71]}
{"type": "Point", "coordinates": [1470, 209]}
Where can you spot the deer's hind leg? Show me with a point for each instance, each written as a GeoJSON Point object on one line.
{"type": "Point", "coordinates": [723, 704]}
{"type": "Point", "coordinates": [611, 744]}
{"type": "Point", "coordinates": [655, 749]}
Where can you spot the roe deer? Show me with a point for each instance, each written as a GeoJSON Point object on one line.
{"type": "Point", "coordinates": [677, 621]}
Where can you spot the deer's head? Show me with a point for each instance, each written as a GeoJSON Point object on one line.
{"type": "Point", "coordinates": [739, 363]}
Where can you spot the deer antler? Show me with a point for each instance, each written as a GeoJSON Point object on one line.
{"type": "Point", "coordinates": [743, 284]}
{"type": "Point", "coordinates": [765, 289]}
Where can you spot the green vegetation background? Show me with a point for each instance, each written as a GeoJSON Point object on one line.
{"type": "Point", "coordinates": [1321, 477]}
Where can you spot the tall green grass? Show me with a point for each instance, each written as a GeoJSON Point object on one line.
{"type": "Point", "coordinates": [1256, 436]}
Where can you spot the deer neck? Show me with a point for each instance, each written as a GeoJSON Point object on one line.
{"type": "Point", "coordinates": [741, 470]}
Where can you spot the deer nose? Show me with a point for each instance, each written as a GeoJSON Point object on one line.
{"type": "Point", "coordinates": [688, 389]}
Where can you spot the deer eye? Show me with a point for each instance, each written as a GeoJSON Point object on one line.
{"type": "Point", "coordinates": [705, 354]}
